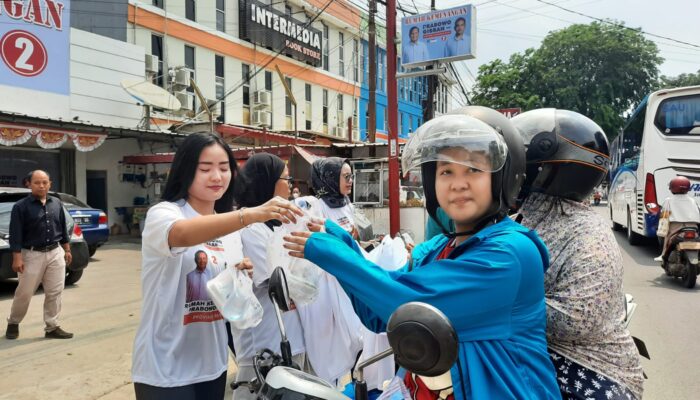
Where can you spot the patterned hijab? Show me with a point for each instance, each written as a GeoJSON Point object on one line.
{"type": "Point", "coordinates": [325, 180]}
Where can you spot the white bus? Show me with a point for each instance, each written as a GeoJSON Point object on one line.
{"type": "Point", "coordinates": [661, 140]}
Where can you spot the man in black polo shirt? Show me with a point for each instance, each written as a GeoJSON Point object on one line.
{"type": "Point", "coordinates": [39, 241]}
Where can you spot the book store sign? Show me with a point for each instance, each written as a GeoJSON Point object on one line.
{"type": "Point", "coordinates": [265, 26]}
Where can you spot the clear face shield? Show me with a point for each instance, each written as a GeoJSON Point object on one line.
{"type": "Point", "coordinates": [455, 139]}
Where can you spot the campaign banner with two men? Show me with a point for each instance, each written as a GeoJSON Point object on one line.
{"type": "Point", "coordinates": [444, 36]}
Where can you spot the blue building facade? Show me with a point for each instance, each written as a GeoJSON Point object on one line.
{"type": "Point", "coordinates": [411, 93]}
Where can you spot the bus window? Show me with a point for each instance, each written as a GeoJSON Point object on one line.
{"type": "Point", "coordinates": [678, 116]}
{"type": "Point", "coordinates": [631, 141]}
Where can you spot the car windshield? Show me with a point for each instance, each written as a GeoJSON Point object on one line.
{"type": "Point", "coordinates": [5, 212]}
{"type": "Point", "coordinates": [72, 202]}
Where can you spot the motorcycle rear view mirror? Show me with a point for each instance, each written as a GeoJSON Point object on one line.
{"type": "Point", "coordinates": [423, 339]}
{"type": "Point", "coordinates": [278, 290]}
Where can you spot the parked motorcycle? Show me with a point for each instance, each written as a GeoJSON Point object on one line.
{"type": "Point", "coordinates": [684, 252]}
{"type": "Point", "coordinates": [422, 340]}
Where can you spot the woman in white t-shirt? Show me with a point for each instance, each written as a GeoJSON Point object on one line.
{"type": "Point", "coordinates": [263, 177]}
{"type": "Point", "coordinates": [333, 333]}
{"type": "Point", "coordinates": [180, 349]}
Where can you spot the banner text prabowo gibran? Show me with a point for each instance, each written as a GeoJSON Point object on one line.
{"type": "Point", "coordinates": [438, 36]}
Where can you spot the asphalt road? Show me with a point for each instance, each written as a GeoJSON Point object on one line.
{"type": "Point", "coordinates": [103, 312]}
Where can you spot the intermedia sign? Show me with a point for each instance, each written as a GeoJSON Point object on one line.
{"type": "Point", "coordinates": [263, 25]}
{"type": "Point", "coordinates": [35, 44]}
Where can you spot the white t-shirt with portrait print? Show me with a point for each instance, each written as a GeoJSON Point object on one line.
{"type": "Point", "coordinates": [182, 338]}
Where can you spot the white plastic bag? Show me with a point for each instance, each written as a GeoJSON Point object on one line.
{"type": "Point", "coordinates": [232, 292]}
{"type": "Point", "coordinates": [391, 254]}
{"type": "Point", "coordinates": [302, 276]}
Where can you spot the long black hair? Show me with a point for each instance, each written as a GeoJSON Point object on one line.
{"type": "Point", "coordinates": [258, 179]}
{"type": "Point", "coordinates": [185, 165]}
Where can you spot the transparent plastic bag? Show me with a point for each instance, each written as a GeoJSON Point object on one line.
{"type": "Point", "coordinates": [232, 292]}
{"type": "Point", "coordinates": [391, 254]}
{"type": "Point", "coordinates": [302, 275]}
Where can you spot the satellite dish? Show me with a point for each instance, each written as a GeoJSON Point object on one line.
{"type": "Point", "coordinates": [150, 94]}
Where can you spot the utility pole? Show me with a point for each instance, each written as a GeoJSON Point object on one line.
{"type": "Point", "coordinates": [393, 104]}
{"type": "Point", "coordinates": [429, 109]}
{"type": "Point", "coordinates": [372, 106]}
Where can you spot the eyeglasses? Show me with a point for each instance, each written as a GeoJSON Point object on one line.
{"type": "Point", "coordinates": [289, 179]}
{"type": "Point", "coordinates": [348, 177]}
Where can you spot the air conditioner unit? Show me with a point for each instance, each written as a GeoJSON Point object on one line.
{"type": "Point", "coordinates": [262, 99]}
{"type": "Point", "coordinates": [262, 118]}
{"type": "Point", "coordinates": [181, 80]}
{"type": "Point", "coordinates": [151, 64]}
{"type": "Point", "coordinates": [185, 100]}
{"type": "Point", "coordinates": [355, 135]}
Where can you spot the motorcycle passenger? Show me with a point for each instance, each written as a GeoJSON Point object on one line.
{"type": "Point", "coordinates": [594, 354]}
{"type": "Point", "coordinates": [681, 210]}
{"type": "Point", "coordinates": [486, 276]}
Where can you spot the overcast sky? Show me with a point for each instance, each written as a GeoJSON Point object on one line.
{"type": "Point", "coordinates": [505, 27]}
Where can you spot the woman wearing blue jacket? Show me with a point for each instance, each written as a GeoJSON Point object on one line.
{"type": "Point", "coordinates": [487, 276]}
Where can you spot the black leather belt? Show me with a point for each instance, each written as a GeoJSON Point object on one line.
{"type": "Point", "coordinates": [42, 249]}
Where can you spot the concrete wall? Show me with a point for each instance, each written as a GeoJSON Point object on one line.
{"type": "Point", "coordinates": [107, 158]}
{"type": "Point", "coordinates": [98, 65]}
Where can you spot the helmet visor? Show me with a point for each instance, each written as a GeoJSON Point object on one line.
{"type": "Point", "coordinates": [479, 147]}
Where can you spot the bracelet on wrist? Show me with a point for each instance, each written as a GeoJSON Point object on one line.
{"type": "Point", "coordinates": [240, 216]}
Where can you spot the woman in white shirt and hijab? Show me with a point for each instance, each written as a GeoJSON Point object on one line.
{"type": "Point", "coordinates": [330, 322]}
{"type": "Point", "coordinates": [263, 178]}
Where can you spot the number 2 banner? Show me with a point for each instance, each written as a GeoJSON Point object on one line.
{"type": "Point", "coordinates": [35, 45]}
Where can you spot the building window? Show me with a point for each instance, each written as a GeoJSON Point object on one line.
{"type": "Point", "coordinates": [220, 88]}
{"type": "Point", "coordinates": [268, 87]}
{"type": "Point", "coordinates": [190, 64]}
{"type": "Point", "coordinates": [307, 96]}
{"type": "Point", "coordinates": [341, 54]}
{"type": "Point", "coordinates": [268, 81]}
{"type": "Point", "coordinates": [221, 15]}
{"type": "Point", "coordinates": [410, 123]}
{"type": "Point", "coordinates": [245, 72]}
{"type": "Point", "coordinates": [190, 10]}
{"type": "Point", "coordinates": [365, 62]}
{"type": "Point", "coordinates": [157, 50]}
{"type": "Point", "coordinates": [355, 60]}
{"type": "Point", "coordinates": [288, 105]}
{"type": "Point", "coordinates": [325, 111]}
{"type": "Point", "coordinates": [325, 47]}
{"type": "Point", "coordinates": [400, 123]}
{"type": "Point", "coordinates": [340, 102]}
{"type": "Point", "coordinates": [158, 3]}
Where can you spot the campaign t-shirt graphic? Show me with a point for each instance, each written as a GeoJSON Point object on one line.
{"type": "Point", "coordinates": [207, 265]}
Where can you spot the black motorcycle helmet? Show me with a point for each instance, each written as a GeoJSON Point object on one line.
{"type": "Point", "coordinates": [462, 128]}
{"type": "Point", "coordinates": [567, 153]}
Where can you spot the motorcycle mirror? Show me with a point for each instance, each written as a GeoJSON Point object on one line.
{"type": "Point", "coordinates": [423, 339]}
{"type": "Point", "coordinates": [278, 290]}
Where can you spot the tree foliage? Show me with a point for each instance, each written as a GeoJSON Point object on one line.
{"type": "Point", "coordinates": [691, 79]}
{"type": "Point", "coordinates": [600, 70]}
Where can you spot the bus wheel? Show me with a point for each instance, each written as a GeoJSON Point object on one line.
{"type": "Point", "coordinates": [615, 226]}
{"type": "Point", "coordinates": [632, 238]}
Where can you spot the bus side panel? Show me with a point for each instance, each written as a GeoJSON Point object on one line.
{"type": "Point", "coordinates": [622, 195]}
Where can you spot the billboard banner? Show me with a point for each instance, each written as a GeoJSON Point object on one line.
{"type": "Point", "coordinates": [265, 26]}
{"type": "Point", "coordinates": [35, 45]}
{"type": "Point", "coordinates": [438, 36]}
